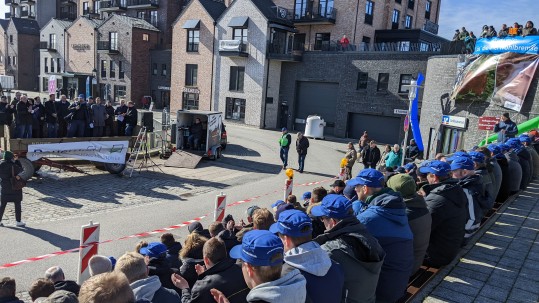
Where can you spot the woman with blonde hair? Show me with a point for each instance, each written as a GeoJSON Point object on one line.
{"type": "Point", "coordinates": [191, 255]}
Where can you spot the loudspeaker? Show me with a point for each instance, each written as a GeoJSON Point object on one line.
{"type": "Point", "coordinates": [147, 120]}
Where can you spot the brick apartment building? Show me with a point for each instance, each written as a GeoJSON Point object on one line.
{"type": "Point", "coordinates": [192, 55]}
{"type": "Point", "coordinates": [42, 11]}
{"type": "Point", "coordinates": [52, 54]}
{"type": "Point", "coordinates": [123, 50]}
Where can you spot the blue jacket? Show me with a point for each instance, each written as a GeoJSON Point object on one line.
{"type": "Point", "coordinates": [394, 158]}
{"type": "Point", "coordinates": [510, 127]}
{"type": "Point", "coordinates": [385, 218]}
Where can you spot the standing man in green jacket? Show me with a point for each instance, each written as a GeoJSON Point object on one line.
{"type": "Point", "coordinates": [284, 144]}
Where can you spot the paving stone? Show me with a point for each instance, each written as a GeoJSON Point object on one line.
{"type": "Point", "coordinates": [463, 281]}
{"type": "Point", "coordinates": [484, 257]}
{"type": "Point", "coordinates": [451, 296]}
{"type": "Point", "coordinates": [529, 274]}
{"type": "Point", "coordinates": [494, 292]}
{"type": "Point", "coordinates": [463, 272]}
{"type": "Point", "coordinates": [511, 253]}
{"type": "Point", "coordinates": [482, 299]}
{"type": "Point", "coordinates": [461, 287]}
{"type": "Point", "coordinates": [512, 263]}
{"type": "Point", "coordinates": [520, 295]}
{"type": "Point", "coordinates": [502, 282]}
{"type": "Point", "coordinates": [527, 284]}
{"type": "Point", "coordinates": [477, 266]}
{"type": "Point", "coordinates": [507, 272]}
{"type": "Point", "coordinates": [533, 256]}
{"type": "Point", "coordinates": [434, 299]}
{"type": "Point", "coordinates": [533, 265]}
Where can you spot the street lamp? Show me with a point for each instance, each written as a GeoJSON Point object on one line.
{"type": "Point", "coordinates": [95, 87]}
{"type": "Point", "coordinates": [412, 94]}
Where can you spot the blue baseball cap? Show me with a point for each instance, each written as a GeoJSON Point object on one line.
{"type": "Point", "coordinates": [306, 195]}
{"type": "Point", "coordinates": [514, 143]}
{"type": "Point", "coordinates": [458, 154]}
{"type": "Point", "coordinates": [477, 157]}
{"type": "Point", "coordinates": [258, 248]}
{"type": "Point", "coordinates": [293, 223]}
{"type": "Point", "coordinates": [495, 149]}
{"type": "Point", "coordinates": [462, 163]}
{"type": "Point", "coordinates": [410, 166]}
{"type": "Point", "coordinates": [153, 250]}
{"type": "Point", "coordinates": [525, 138]}
{"type": "Point", "coordinates": [284, 129]}
{"type": "Point", "coordinates": [81, 96]}
{"type": "Point", "coordinates": [504, 147]}
{"type": "Point", "coordinates": [277, 203]}
{"type": "Point", "coordinates": [332, 206]}
{"type": "Point", "coordinates": [369, 177]}
{"type": "Point", "coordinates": [401, 170]}
{"type": "Point", "coordinates": [435, 167]}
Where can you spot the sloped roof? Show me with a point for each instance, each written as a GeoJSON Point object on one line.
{"type": "Point", "coordinates": [214, 8]}
{"type": "Point", "coordinates": [63, 23]}
{"type": "Point", "coordinates": [134, 22]}
{"type": "Point", "coordinates": [26, 26]}
{"type": "Point", "coordinates": [4, 23]}
{"type": "Point", "coordinates": [96, 22]}
{"type": "Point", "coordinates": [269, 10]}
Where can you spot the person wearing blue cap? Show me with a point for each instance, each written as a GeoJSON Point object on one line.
{"type": "Point", "coordinates": [262, 255]}
{"type": "Point", "coordinates": [487, 178]}
{"type": "Point", "coordinates": [527, 142]}
{"type": "Point", "coordinates": [505, 128]}
{"type": "Point", "coordinates": [157, 263]}
{"type": "Point", "coordinates": [78, 118]}
{"type": "Point", "coordinates": [284, 146]}
{"type": "Point", "coordinates": [456, 155]}
{"type": "Point", "coordinates": [306, 198]}
{"type": "Point", "coordinates": [325, 278]}
{"type": "Point", "coordinates": [350, 244]}
{"type": "Point", "coordinates": [446, 202]}
{"type": "Point", "coordinates": [462, 168]}
{"type": "Point", "coordinates": [501, 176]}
{"type": "Point", "coordinates": [276, 205]}
{"type": "Point", "coordinates": [385, 218]}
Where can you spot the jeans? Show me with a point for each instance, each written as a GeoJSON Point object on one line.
{"type": "Point", "coordinates": [121, 128]}
{"type": "Point", "coordinates": [51, 130]}
{"type": "Point", "coordinates": [62, 128]}
{"type": "Point", "coordinates": [193, 141]}
{"type": "Point", "coordinates": [301, 161]}
{"type": "Point", "coordinates": [24, 130]}
{"type": "Point", "coordinates": [129, 129]}
{"type": "Point", "coordinates": [76, 128]}
{"type": "Point", "coordinates": [284, 156]}
{"type": "Point", "coordinates": [18, 210]}
{"type": "Point", "coordinates": [98, 131]}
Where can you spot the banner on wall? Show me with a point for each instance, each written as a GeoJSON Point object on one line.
{"type": "Point", "coordinates": [520, 45]}
{"type": "Point", "coordinates": [98, 151]}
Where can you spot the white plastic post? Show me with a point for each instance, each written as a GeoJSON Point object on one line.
{"type": "Point", "coordinates": [342, 173]}
{"type": "Point", "coordinates": [89, 237]}
{"type": "Point", "coordinates": [288, 186]}
{"type": "Point", "coordinates": [220, 205]}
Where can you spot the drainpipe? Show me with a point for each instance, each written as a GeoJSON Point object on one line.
{"type": "Point", "coordinates": [355, 24]}
{"type": "Point", "coordinates": [212, 62]}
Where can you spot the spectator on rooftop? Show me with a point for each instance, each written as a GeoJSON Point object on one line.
{"type": "Point", "coordinates": [529, 30]}
{"type": "Point", "coordinates": [463, 33]}
{"type": "Point", "coordinates": [40, 288]}
{"type": "Point", "coordinates": [173, 250]}
{"type": "Point", "coordinates": [456, 35]}
{"type": "Point", "coordinates": [504, 31]}
{"type": "Point", "coordinates": [516, 30]}
{"type": "Point", "coordinates": [56, 275]}
{"type": "Point", "coordinates": [491, 32]}
{"type": "Point", "coordinates": [8, 290]}
{"type": "Point", "coordinates": [99, 264]}
{"type": "Point", "coordinates": [484, 31]}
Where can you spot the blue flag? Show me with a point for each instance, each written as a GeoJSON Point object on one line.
{"type": "Point", "coordinates": [416, 131]}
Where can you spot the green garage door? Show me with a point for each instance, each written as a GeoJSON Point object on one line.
{"type": "Point", "coordinates": [380, 128]}
{"type": "Point", "coordinates": [316, 98]}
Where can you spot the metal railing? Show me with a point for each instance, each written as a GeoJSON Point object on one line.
{"type": "Point", "coordinates": [232, 46]}
{"type": "Point", "coordinates": [313, 14]}
{"type": "Point", "coordinates": [68, 16]}
{"type": "Point", "coordinates": [335, 46]}
{"type": "Point", "coordinates": [143, 2]}
{"type": "Point", "coordinates": [104, 4]}
{"type": "Point", "coordinates": [89, 11]}
{"type": "Point", "coordinates": [28, 14]}
{"type": "Point", "coordinates": [47, 45]}
{"type": "Point", "coordinates": [106, 45]}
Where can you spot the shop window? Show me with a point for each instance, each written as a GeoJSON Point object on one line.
{"type": "Point", "coordinates": [235, 109]}
{"type": "Point", "coordinates": [190, 101]}
{"type": "Point", "coordinates": [362, 80]}
{"type": "Point", "coordinates": [452, 140]}
{"type": "Point", "coordinates": [112, 71]}
{"type": "Point", "coordinates": [404, 80]}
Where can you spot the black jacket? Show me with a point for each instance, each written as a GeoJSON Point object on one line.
{"type": "Point", "coordinates": [173, 257]}
{"type": "Point", "coordinates": [302, 145]}
{"type": "Point", "coordinates": [23, 117]}
{"type": "Point", "coordinates": [7, 112]}
{"type": "Point", "coordinates": [504, 191]}
{"type": "Point", "coordinates": [161, 268]}
{"type": "Point", "coordinates": [196, 130]}
{"type": "Point", "coordinates": [187, 270]}
{"type": "Point", "coordinates": [475, 193]}
{"type": "Point", "coordinates": [11, 300]}
{"type": "Point", "coordinates": [446, 202]}
{"type": "Point", "coordinates": [62, 110]}
{"type": "Point", "coordinates": [80, 114]}
{"type": "Point", "coordinates": [371, 155]}
{"type": "Point", "coordinates": [67, 285]}
{"type": "Point", "coordinates": [131, 116]}
{"type": "Point", "coordinates": [50, 109]}
{"type": "Point", "coordinates": [110, 111]}
{"type": "Point", "coordinates": [120, 110]}
{"type": "Point", "coordinates": [225, 276]}
{"type": "Point", "coordinates": [39, 112]}
{"type": "Point", "coordinates": [526, 163]}
{"type": "Point", "coordinates": [229, 238]}
{"type": "Point", "coordinates": [6, 173]}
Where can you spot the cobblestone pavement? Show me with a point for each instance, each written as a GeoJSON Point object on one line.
{"type": "Point", "coordinates": [503, 265]}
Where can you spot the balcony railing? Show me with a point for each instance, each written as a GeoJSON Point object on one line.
{"type": "Point", "coordinates": [314, 15]}
{"type": "Point", "coordinates": [233, 48]}
{"type": "Point", "coordinates": [69, 2]}
{"type": "Point", "coordinates": [113, 5]}
{"type": "Point", "coordinates": [152, 21]}
{"type": "Point", "coordinates": [68, 16]}
{"type": "Point", "coordinates": [143, 4]}
{"type": "Point", "coordinates": [107, 46]}
{"type": "Point", "coordinates": [449, 48]}
{"type": "Point", "coordinates": [10, 2]}
{"type": "Point", "coordinates": [279, 52]}
{"type": "Point", "coordinates": [89, 11]}
{"type": "Point", "coordinates": [28, 14]}
{"type": "Point", "coordinates": [27, 1]}
{"type": "Point", "coordinates": [47, 46]}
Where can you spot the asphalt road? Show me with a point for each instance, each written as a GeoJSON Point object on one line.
{"type": "Point", "coordinates": [251, 163]}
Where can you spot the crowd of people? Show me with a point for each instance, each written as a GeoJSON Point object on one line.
{"type": "Point", "coordinates": [469, 38]}
{"type": "Point", "coordinates": [81, 117]}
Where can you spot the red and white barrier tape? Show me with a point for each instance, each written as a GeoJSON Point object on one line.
{"type": "Point", "coordinates": [148, 233]}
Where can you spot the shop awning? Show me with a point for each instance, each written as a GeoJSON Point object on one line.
{"type": "Point", "coordinates": [192, 24]}
{"type": "Point", "coordinates": [239, 22]}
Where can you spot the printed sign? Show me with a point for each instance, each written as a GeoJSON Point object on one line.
{"type": "Point", "coordinates": [487, 123]}
{"type": "Point", "coordinates": [98, 151]}
{"type": "Point", "coordinates": [455, 121]}
{"type": "Point", "coordinates": [521, 45]}
{"type": "Point", "coordinates": [398, 111]}
{"type": "Point", "coordinates": [52, 85]}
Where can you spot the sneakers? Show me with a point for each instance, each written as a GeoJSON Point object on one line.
{"type": "Point", "coordinates": [20, 224]}
{"type": "Point", "coordinates": [1, 224]}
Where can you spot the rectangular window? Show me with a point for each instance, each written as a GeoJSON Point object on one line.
{"type": "Point", "coordinates": [383, 82]}
{"type": "Point", "coordinates": [190, 101]}
{"type": "Point", "coordinates": [369, 11]}
{"type": "Point", "coordinates": [237, 74]}
{"type": "Point", "coordinates": [235, 109]}
{"type": "Point", "coordinates": [322, 41]}
{"type": "Point", "coordinates": [411, 4]}
{"type": "Point", "coordinates": [153, 18]}
{"type": "Point", "coordinates": [112, 70]}
{"type": "Point", "coordinates": [52, 41]}
{"type": "Point", "coordinates": [96, 6]}
{"type": "Point", "coordinates": [427, 9]}
{"type": "Point", "coordinates": [163, 69]}
{"type": "Point", "coordinates": [11, 39]}
{"type": "Point", "coordinates": [192, 40]}
{"type": "Point", "coordinates": [191, 74]}
{"type": "Point", "coordinates": [405, 80]}
{"type": "Point", "coordinates": [362, 80]}
{"type": "Point", "coordinates": [154, 69]}
{"type": "Point", "coordinates": [145, 37]}
{"type": "Point", "coordinates": [58, 64]}
{"type": "Point", "coordinates": [52, 65]}
{"type": "Point", "coordinates": [395, 19]}
{"type": "Point", "coordinates": [408, 22]}
{"type": "Point", "coordinates": [14, 60]}
{"type": "Point", "coordinates": [85, 8]}
{"type": "Point", "coordinates": [121, 73]}
{"type": "Point", "coordinates": [44, 84]}
{"type": "Point", "coordinates": [46, 65]}
{"type": "Point", "coordinates": [103, 68]}
{"type": "Point", "coordinates": [119, 92]}
{"type": "Point", "coordinates": [240, 34]}
{"type": "Point", "coordinates": [8, 60]}
{"type": "Point", "coordinates": [113, 38]}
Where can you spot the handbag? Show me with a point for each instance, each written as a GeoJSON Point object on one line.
{"type": "Point", "coordinates": [16, 184]}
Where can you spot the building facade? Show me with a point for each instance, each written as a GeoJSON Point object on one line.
{"type": "Point", "coordinates": [52, 54]}
{"type": "Point", "coordinates": [160, 77]}
{"type": "Point", "coordinates": [22, 53]}
{"type": "Point", "coordinates": [192, 55]}
{"type": "Point", "coordinates": [123, 52]}
{"type": "Point", "coordinates": [353, 92]}
{"type": "Point", "coordinates": [42, 11]}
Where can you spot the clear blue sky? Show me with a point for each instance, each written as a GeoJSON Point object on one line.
{"type": "Point", "coordinates": [472, 14]}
